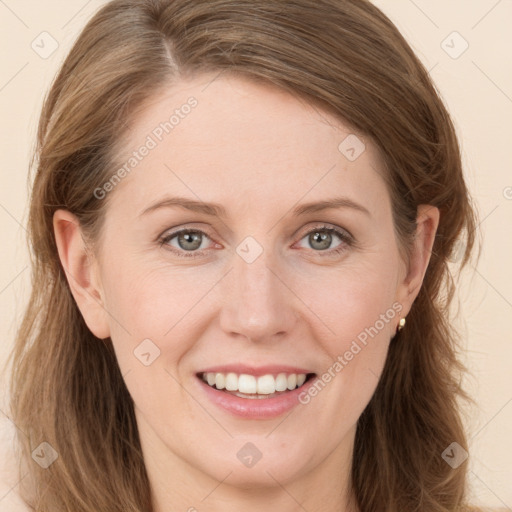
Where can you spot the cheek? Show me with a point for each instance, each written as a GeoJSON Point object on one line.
{"type": "Point", "coordinates": [155, 304]}
{"type": "Point", "coordinates": [151, 300]}
{"type": "Point", "coordinates": [352, 299]}
{"type": "Point", "coordinates": [151, 330]}
{"type": "Point", "coordinates": [357, 307]}
{"type": "Point", "coordinates": [158, 302]}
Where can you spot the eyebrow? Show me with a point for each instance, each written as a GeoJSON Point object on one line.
{"type": "Point", "coordinates": [217, 210]}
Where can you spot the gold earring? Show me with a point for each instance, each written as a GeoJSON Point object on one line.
{"type": "Point", "coordinates": [400, 325]}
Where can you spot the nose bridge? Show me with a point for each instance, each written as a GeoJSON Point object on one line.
{"type": "Point", "coordinates": [258, 304]}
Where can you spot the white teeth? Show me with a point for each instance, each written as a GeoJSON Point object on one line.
{"type": "Point", "coordinates": [249, 384]}
{"type": "Point", "coordinates": [281, 382]}
{"type": "Point", "coordinates": [266, 385]}
{"type": "Point", "coordinates": [231, 382]}
{"type": "Point", "coordinates": [292, 381]}
{"type": "Point", "coordinates": [220, 381]}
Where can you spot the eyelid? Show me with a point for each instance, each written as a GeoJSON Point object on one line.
{"type": "Point", "coordinates": [327, 226]}
{"type": "Point", "coordinates": [345, 236]}
{"type": "Point", "coordinates": [168, 235]}
{"type": "Point", "coordinates": [347, 240]}
{"type": "Point", "coordinates": [172, 232]}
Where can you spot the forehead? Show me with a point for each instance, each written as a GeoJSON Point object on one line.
{"type": "Point", "coordinates": [228, 139]}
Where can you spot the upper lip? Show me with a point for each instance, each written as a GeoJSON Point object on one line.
{"type": "Point", "coordinates": [254, 370]}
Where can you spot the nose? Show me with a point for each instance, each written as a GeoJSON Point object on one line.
{"type": "Point", "coordinates": [258, 302]}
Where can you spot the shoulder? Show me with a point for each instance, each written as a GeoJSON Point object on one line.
{"type": "Point", "coordinates": [10, 498]}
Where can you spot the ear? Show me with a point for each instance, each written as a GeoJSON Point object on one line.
{"type": "Point", "coordinates": [427, 221]}
{"type": "Point", "coordinates": [81, 272]}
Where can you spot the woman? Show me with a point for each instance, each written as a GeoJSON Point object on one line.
{"type": "Point", "coordinates": [241, 219]}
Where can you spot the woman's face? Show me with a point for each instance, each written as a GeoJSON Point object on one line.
{"type": "Point", "coordinates": [260, 286]}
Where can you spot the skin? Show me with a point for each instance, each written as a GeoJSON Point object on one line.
{"type": "Point", "coordinates": [259, 152]}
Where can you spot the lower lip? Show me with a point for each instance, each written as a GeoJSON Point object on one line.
{"type": "Point", "coordinates": [255, 408]}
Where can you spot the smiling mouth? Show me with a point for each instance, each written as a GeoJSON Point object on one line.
{"type": "Point", "coordinates": [252, 387]}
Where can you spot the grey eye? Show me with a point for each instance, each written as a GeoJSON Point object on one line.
{"type": "Point", "coordinates": [186, 240]}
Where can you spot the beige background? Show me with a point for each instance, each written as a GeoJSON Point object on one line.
{"type": "Point", "coordinates": [477, 87]}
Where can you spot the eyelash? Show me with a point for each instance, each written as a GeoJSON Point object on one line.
{"type": "Point", "coordinates": [344, 237]}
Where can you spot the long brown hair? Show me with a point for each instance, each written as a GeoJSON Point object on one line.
{"type": "Point", "coordinates": [343, 56]}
